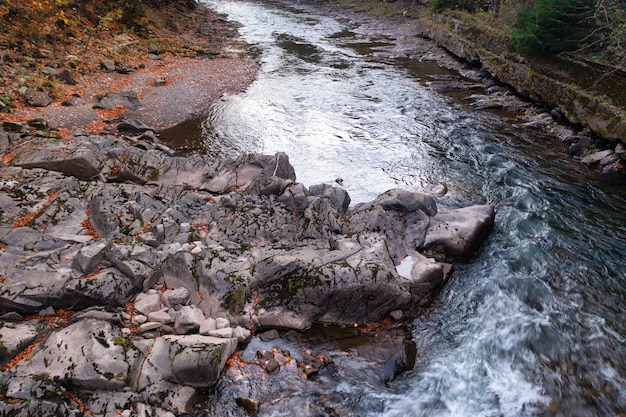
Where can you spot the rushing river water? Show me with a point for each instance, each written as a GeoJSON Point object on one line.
{"type": "Point", "coordinates": [535, 324]}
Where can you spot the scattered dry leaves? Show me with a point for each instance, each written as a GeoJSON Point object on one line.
{"type": "Point", "coordinates": [78, 401]}
{"type": "Point", "coordinates": [88, 226]}
{"type": "Point", "coordinates": [23, 354]}
{"type": "Point", "coordinates": [7, 158]}
{"type": "Point", "coordinates": [25, 220]}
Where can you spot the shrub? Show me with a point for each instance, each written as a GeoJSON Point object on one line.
{"type": "Point", "coordinates": [552, 26]}
{"type": "Point", "coordinates": [467, 5]}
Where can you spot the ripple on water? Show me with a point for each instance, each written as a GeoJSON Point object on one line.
{"type": "Point", "coordinates": [534, 324]}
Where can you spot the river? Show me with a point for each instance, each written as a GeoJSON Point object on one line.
{"type": "Point", "coordinates": [535, 324]}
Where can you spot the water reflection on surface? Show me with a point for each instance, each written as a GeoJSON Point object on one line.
{"type": "Point", "coordinates": [534, 324]}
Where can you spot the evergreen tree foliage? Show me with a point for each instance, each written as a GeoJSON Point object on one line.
{"type": "Point", "coordinates": [552, 26]}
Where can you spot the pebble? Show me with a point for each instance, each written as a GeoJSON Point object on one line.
{"type": "Point", "coordinates": [269, 335]}
{"type": "Point", "coordinates": [226, 333]}
{"type": "Point", "coordinates": [222, 323]}
{"type": "Point", "coordinates": [151, 325]}
{"type": "Point", "coordinates": [140, 319]}
{"type": "Point", "coordinates": [160, 316]}
{"type": "Point", "coordinates": [207, 326]}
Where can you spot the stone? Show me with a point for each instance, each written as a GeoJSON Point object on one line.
{"type": "Point", "coordinates": [457, 234]}
{"type": "Point", "coordinates": [397, 314]}
{"type": "Point", "coordinates": [160, 82]}
{"type": "Point", "coordinates": [88, 257]}
{"type": "Point", "coordinates": [610, 159]}
{"type": "Point", "coordinates": [126, 99]}
{"type": "Point", "coordinates": [85, 354]}
{"type": "Point", "coordinates": [224, 332]}
{"type": "Point", "coordinates": [188, 320]}
{"type": "Point", "coordinates": [148, 326]}
{"type": "Point", "coordinates": [221, 323]}
{"type": "Point", "coordinates": [269, 335]}
{"type": "Point", "coordinates": [580, 143]}
{"type": "Point", "coordinates": [406, 201]}
{"type": "Point", "coordinates": [132, 125]}
{"type": "Point", "coordinates": [595, 157]}
{"type": "Point", "coordinates": [242, 334]}
{"type": "Point", "coordinates": [207, 325]}
{"type": "Point", "coordinates": [272, 366]}
{"type": "Point", "coordinates": [108, 65]}
{"type": "Point", "coordinates": [12, 126]}
{"type": "Point", "coordinates": [16, 336]}
{"type": "Point", "coordinates": [248, 404]}
{"type": "Point", "coordinates": [195, 361]}
{"type": "Point", "coordinates": [37, 98]}
{"type": "Point", "coordinates": [82, 162]}
{"type": "Point", "coordinates": [148, 304]}
{"type": "Point", "coordinates": [620, 148]}
{"type": "Point", "coordinates": [66, 77]}
{"type": "Point", "coordinates": [49, 71]}
{"type": "Point", "coordinates": [160, 316]}
{"type": "Point", "coordinates": [176, 296]}
{"type": "Point", "coordinates": [153, 48]}
{"type": "Point", "coordinates": [249, 167]}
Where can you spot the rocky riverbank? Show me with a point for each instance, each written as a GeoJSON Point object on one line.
{"type": "Point", "coordinates": [131, 276]}
{"type": "Point", "coordinates": [579, 102]}
{"type": "Point", "coordinates": [132, 281]}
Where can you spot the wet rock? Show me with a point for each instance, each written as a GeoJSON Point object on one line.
{"type": "Point", "coordinates": [595, 157]}
{"type": "Point", "coordinates": [132, 125]}
{"type": "Point", "coordinates": [269, 335]}
{"type": "Point", "coordinates": [247, 168]}
{"type": "Point", "coordinates": [194, 360]}
{"type": "Point", "coordinates": [580, 143]}
{"type": "Point", "coordinates": [249, 405]}
{"type": "Point", "coordinates": [86, 354]}
{"type": "Point", "coordinates": [455, 235]}
{"type": "Point", "coordinates": [37, 98]}
{"type": "Point", "coordinates": [610, 159]}
{"type": "Point", "coordinates": [272, 366]}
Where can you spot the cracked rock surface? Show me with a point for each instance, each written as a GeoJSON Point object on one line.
{"type": "Point", "coordinates": [132, 271]}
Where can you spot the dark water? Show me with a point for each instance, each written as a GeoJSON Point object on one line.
{"type": "Point", "coordinates": [535, 324]}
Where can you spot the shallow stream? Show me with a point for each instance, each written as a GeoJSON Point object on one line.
{"type": "Point", "coordinates": [535, 324]}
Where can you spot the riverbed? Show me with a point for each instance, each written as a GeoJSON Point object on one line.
{"type": "Point", "coordinates": [535, 323]}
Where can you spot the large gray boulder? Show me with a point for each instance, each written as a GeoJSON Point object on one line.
{"type": "Point", "coordinates": [192, 360]}
{"type": "Point", "coordinates": [89, 353]}
{"type": "Point", "coordinates": [455, 236]}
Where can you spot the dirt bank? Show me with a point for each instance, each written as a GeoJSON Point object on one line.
{"type": "Point", "coordinates": [172, 70]}
{"type": "Point", "coordinates": [585, 93]}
